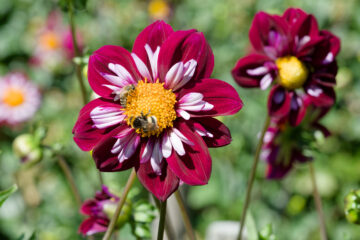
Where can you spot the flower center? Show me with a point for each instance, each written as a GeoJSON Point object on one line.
{"type": "Point", "coordinates": [292, 72]}
{"type": "Point", "coordinates": [150, 108]}
{"type": "Point", "coordinates": [49, 41]}
{"type": "Point", "coordinates": [13, 97]}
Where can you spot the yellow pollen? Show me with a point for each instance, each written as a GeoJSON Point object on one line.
{"type": "Point", "coordinates": [152, 99]}
{"type": "Point", "coordinates": [13, 97]}
{"type": "Point", "coordinates": [292, 72]}
{"type": "Point", "coordinates": [158, 9]}
{"type": "Point", "coordinates": [49, 40]}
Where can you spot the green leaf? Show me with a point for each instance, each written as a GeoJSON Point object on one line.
{"type": "Point", "coordinates": [6, 193]}
{"type": "Point", "coordinates": [267, 233]}
{"type": "Point", "coordinates": [250, 225]}
{"type": "Point", "coordinates": [142, 231]}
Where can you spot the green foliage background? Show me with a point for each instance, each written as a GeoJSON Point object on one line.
{"type": "Point", "coordinates": [287, 204]}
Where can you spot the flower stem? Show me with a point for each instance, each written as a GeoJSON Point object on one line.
{"type": "Point", "coordinates": [185, 216]}
{"type": "Point", "coordinates": [252, 177]}
{"type": "Point", "coordinates": [168, 227]}
{"type": "Point", "coordinates": [66, 169]}
{"type": "Point", "coordinates": [113, 220]}
{"type": "Point", "coordinates": [77, 52]}
{"type": "Point", "coordinates": [78, 67]}
{"type": "Point", "coordinates": [162, 220]}
{"type": "Point", "coordinates": [318, 203]}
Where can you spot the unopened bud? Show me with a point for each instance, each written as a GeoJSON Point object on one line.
{"type": "Point", "coordinates": [109, 209]}
{"type": "Point", "coordinates": [352, 207]}
{"type": "Point", "coordinates": [27, 148]}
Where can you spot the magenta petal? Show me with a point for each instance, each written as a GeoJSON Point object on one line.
{"type": "Point", "coordinates": [154, 35]}
{"type": "Point", "coordinates": [222, 95]}
{"type": "Point", "coordinates": [297, 110]}
{"type": "Point", "coordinates": [277, 171]}
{"type": "Point", "coordinates": [326, 51]}
{"type": "Point", "coordinates": [106, 161]}
{"type": "Point", "coordinates": [99, 65]}
{"type": "Point", "coordinates": [183, 46]}
{"type": "Point", "coordinates": [87, 208]}
{"type": "Point", "coordinates": [162, 186]}
{"type": "Point", "coordinates": [93, 225]}
{"type": "Point", "coordinates": [194, 168]}
{"type": "Point", "coordinates": [253, 61]}
{"type": "Point", "coordinates": [269, 34]}
{"type": "Point", "coordinates": [279, 102]}
{"type": "Point", "coordinates": [220, 133]}
{"type": "Point", "coordinates": [321, 96]}
{"type": "Point", "coordinates": [86, 135]}
{"type": "Point", "coordinates": [325, 79]}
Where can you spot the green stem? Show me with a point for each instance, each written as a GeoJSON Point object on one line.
{"type": "Point", "coordinates": [168, 226]}
{"type": "Point", "coordinates": [77, 52]}
{"type": "Point", "coordinates": [113, 220]}
{"type": "Point", "coordinates": [185, 216]}
{"type": "Point", "coordinates": [318, 203]}
{"type": "Point", "coordinates": [78, 67]}
{"type": "Point", "coordinates": [67, 172]}
{"type": "Point", "coordinates": [162, 220]}
{"type": "Point", "coordinates": [252, 177]}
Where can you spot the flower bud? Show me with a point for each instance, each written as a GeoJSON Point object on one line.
{"type": "Point", "coordinates": [352, 207]}
{"type": "Point", "coordinates": [109, 209]}
{"type": "Point", "coordinates": [27, 148]}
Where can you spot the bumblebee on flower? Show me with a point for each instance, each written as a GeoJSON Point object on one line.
{"type": "Point", "coordinates": [156, 109]}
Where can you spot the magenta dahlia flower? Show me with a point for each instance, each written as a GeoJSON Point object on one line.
{"type": "Point", "coordinates": [100, 210]}
{"type": "Point", "coordinates": [156, 109]}
{"type": "Point", "coordinates": [19, 99]}
{"type": "Point", "coordinates": [293, 56]}
{"type": "Point", "coordinates": [286, 145]}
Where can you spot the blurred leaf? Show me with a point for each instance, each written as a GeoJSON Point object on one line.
{"type": "Point", "coordinates": [6, 193]}
{"type": "Point", "coordinates": [267, 233]}
{"type": "Point", "coordinates": [142, 231]}
{"type": "Point", "coordinates": [78, 4]}
{"type": "Point", "coordinates": [250, 225]}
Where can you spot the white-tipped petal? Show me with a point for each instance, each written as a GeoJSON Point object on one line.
{"type": "Point", "coordinates": [144, 71]}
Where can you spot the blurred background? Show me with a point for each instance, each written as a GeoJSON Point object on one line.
{"type": "Point", "coordinates": [44, 204]}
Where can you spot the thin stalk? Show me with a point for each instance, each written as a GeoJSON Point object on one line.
{"type": "Point", "coordinates": [67, 172]}
{"type": "Point", "coordinates": [78, 67]}
{"type": "Point", "coordinates": [77, 52]}
{"type": "Point", "coordinates": [168, 227]}
{"type": "Point", "coordinates": [113, 220]}
{"type": "Point", "coordinates": [318, 203]}
{"type": "Point", "coordinates": [162, 220]}
{"type": "Point", "coordinates": [252, 177]}
{"type": "Point", "coordinates": [185, 216]}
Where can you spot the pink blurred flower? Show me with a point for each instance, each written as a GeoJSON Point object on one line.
{"type": "Point", "coordinates": [54, 45]}
{"type": "Point", "coordinates": [19, 99]}
{"type": "Point", "coordinates": [163, 123]}
{"type": "Point", "coordinates": [295, 57]}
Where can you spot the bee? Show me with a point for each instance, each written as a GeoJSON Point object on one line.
{"type": "Point", "coordinates": [145, 122]}
{"type": "Point", "coordinates": [123, 94]}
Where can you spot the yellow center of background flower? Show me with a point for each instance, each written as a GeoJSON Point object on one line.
{"type": "Point", "coordinates": [159, 9]}
{"type": "Point", "coordinates": [49, 40]}
{"type": "Point", "coordinates": [151, 99]}
{"type": "Point", "coordinates": [13, 97]}
{"type": "Point", "coordinates": [292, 72]}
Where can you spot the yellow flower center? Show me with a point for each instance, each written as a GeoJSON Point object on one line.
{"type": "Point", "coordinates": [292, 72]}
{"type": "Point", "coordinates": [151, 105]}
{"type": "Point", "coordinates": [49, 40]}
{"type": "Point", "coordinates": [159, 9]}
{"type": "Point", "coordinates": [13, 97]}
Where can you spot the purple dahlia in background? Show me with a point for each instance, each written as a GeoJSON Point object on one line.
{"type": "Point", "coordinates": [100, 210]}
{"type": "Point", "coordinates": [285, 145]}
{"type": "Point", "coordinates": [293, 57]}
{"type": "Point", "coordinates": [156, 109]}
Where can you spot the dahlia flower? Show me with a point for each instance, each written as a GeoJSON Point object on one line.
{"type": "Point", "coordinates": [285, 145]}
{"type": "Point", "coordinates": [100, 210]}
{"type": "Point", "coordinates": [156, 109]}
{"type": "Point", "coordinates": [54, 46]}
{"type": "Point", "coordinates": [19, 99]}
{"type": "Point", "coordinates": [294, 57]}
